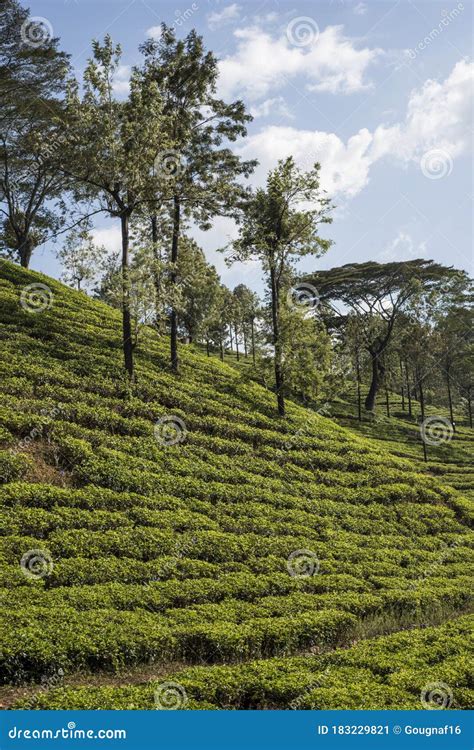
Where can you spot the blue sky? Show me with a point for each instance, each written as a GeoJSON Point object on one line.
{"type": "Point", "coordinates": [380, 93]}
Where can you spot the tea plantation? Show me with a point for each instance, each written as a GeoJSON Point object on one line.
{"type": "Point", "coordinates": [244, 560]}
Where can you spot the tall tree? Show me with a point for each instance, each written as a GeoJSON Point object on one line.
{"type": "Point", "coordinates": [378, 294]}
{"type": "Point", "coordinates": [215, 321]}
{"type": "Point", "coordinates": [354, 345]}
{"type": "Point", "coordinates": [33, 74]}
{"type": "Point", "coordinates": [202, 173]}
{"type": "Point", "coordinates": [80, 257]}
{"type": "Point", "coordinates": [142, 297]}
{"type": "Point", "coordinates": [247, 308]}
{"type": "Point", "coordinates": [453, 348]}
{"type": "Point", "coordinates": [199, 284]}
{"type": "Point", "coordinates": [112, 148]}
{"type": "Point", "coordinates": [307, 355]}
{"type": "Point", "coordinates": [277, 229]}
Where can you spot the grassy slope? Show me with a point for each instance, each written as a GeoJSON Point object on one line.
{"type": "Point", "coordinates": [165, 556]}
{"type": "Point", "coordinates": [451, 459]}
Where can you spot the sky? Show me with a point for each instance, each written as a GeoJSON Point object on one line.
{"type": "Point", "coordinates": [380, 93]}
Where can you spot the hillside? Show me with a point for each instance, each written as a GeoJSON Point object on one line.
{"type": "Point", "coordinates": [279, 557]}
{"type": "Point", "coordinates": [399, 433]}
{"type": "Point", "coordinates": [450, 460]}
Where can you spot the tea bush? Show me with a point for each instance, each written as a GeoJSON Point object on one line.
{"type": "Point", "coordinates": [259, 546]}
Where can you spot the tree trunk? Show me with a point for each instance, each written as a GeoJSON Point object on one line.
{"type": "Point", "coordinates": [173, 276]}
{"type": "Point", "coordinates": [245, 341]}
{"type": "Point", "coordinates": [387, 402]}
{"type": "Point", "coordinates": [425, 450]}
{"type": "Point", "coordinates": [126, 317]}
{"type": "Point", "coordinates": [221, 347]}
{"type": "Point", "coordinates": [422, 395]}
{"type": "Point", "coordinates": [408, 390]}
{"type": "Point", "coordinates": [237, 342]}
{"type": "Point", "coordinates": [207, 348]}
{"type": "Point", "coordinates": [377, 376]}
{"type": "Point", "coordinates": [25, 251]}
{"type": "Point", "coordinates": [279, 380]}
{"type": "Point", "coordinates": [231, 339]}
{"type": "Point", "coordinates": [359, 397]}
{"type": "Point", "coordinates": [253, 340]}
{"type": "Point", "coordinates": [450, 399]}
{"type": "Point", "coordinates": [422, 405]}
{"type": "Point", "coordinates": [156, 272]}
{"type": "Point", "coordinates": [402, 388]}
{"type": "Point", "coordinates": [469, 406]}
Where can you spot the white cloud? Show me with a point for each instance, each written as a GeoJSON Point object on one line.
{"type": "Point", "coordinates": [227, 14]}
{"type": "Point", "coordinates": [121, 83]}
{"type": "Point", "coordinates": [403, 247]}
{"type": "Point", "coordinates": [154, 32]}
{"type": "Point", "coordinates": [361, 9]}
{"type": "Point", "coordinates": [223, 231]}
{"type": "Point", "coordinates": [344, 167]}
{"type": "Point", "coordinates": [262, 62]}
{"type": "Point", "coordinates": [438, 116]}
{"type": "Point", "coordinates": [110, 237]}
{"type": "Point", "coordinates": [275, 106]}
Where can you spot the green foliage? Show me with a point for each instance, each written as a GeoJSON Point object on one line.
{"type": "Point", "coordinates": [180, 553]}
{"type": "Point", "coordinates": [378, 296]}
{"type": "Point", "coordinates": [80, 257]}
{"type": "Point", "coordinates": [30, 186]}
{"type": "Point", "coordinates": [277, 231]}
{"type": "Point", "coordinates": [385, 673]}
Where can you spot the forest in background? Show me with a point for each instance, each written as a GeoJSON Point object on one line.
{"type": "Point", "coordinates": [159, 163]}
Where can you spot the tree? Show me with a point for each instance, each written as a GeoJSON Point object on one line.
{"type": "Point", "coordinates": [353, 342]}
{"type": "Point", "coordinates": [198, 284]}
{"type": "Point", "coordinates": [464, 377]}
{"type": "Point", "coordinates": [378, 294]}
{"type": "Point", "coordinates": [246, 307]}
{"type": "Point", "coordinates": [112, 149]}
{"type": "Point", "coordinates": [453, 348]}
{"type": "Point", "coordinates": [141, 291]}
{"type": "Point", "coordinates": [202, 173]}
{"type": "Point", "coordinates": [417, 339]}
{"type": "Point", "coordinates": [32, 83]}
{"type": "Point", "coordinates": [277, 230]}
{"type": "Point", "coordinates": [307, 355]}
{"type": "Point", "coordinates": [155, 216]}
{"type": "Point", "coordinates": [80, 256]}
{"type": "Point", "coordinates": [214, 325]}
